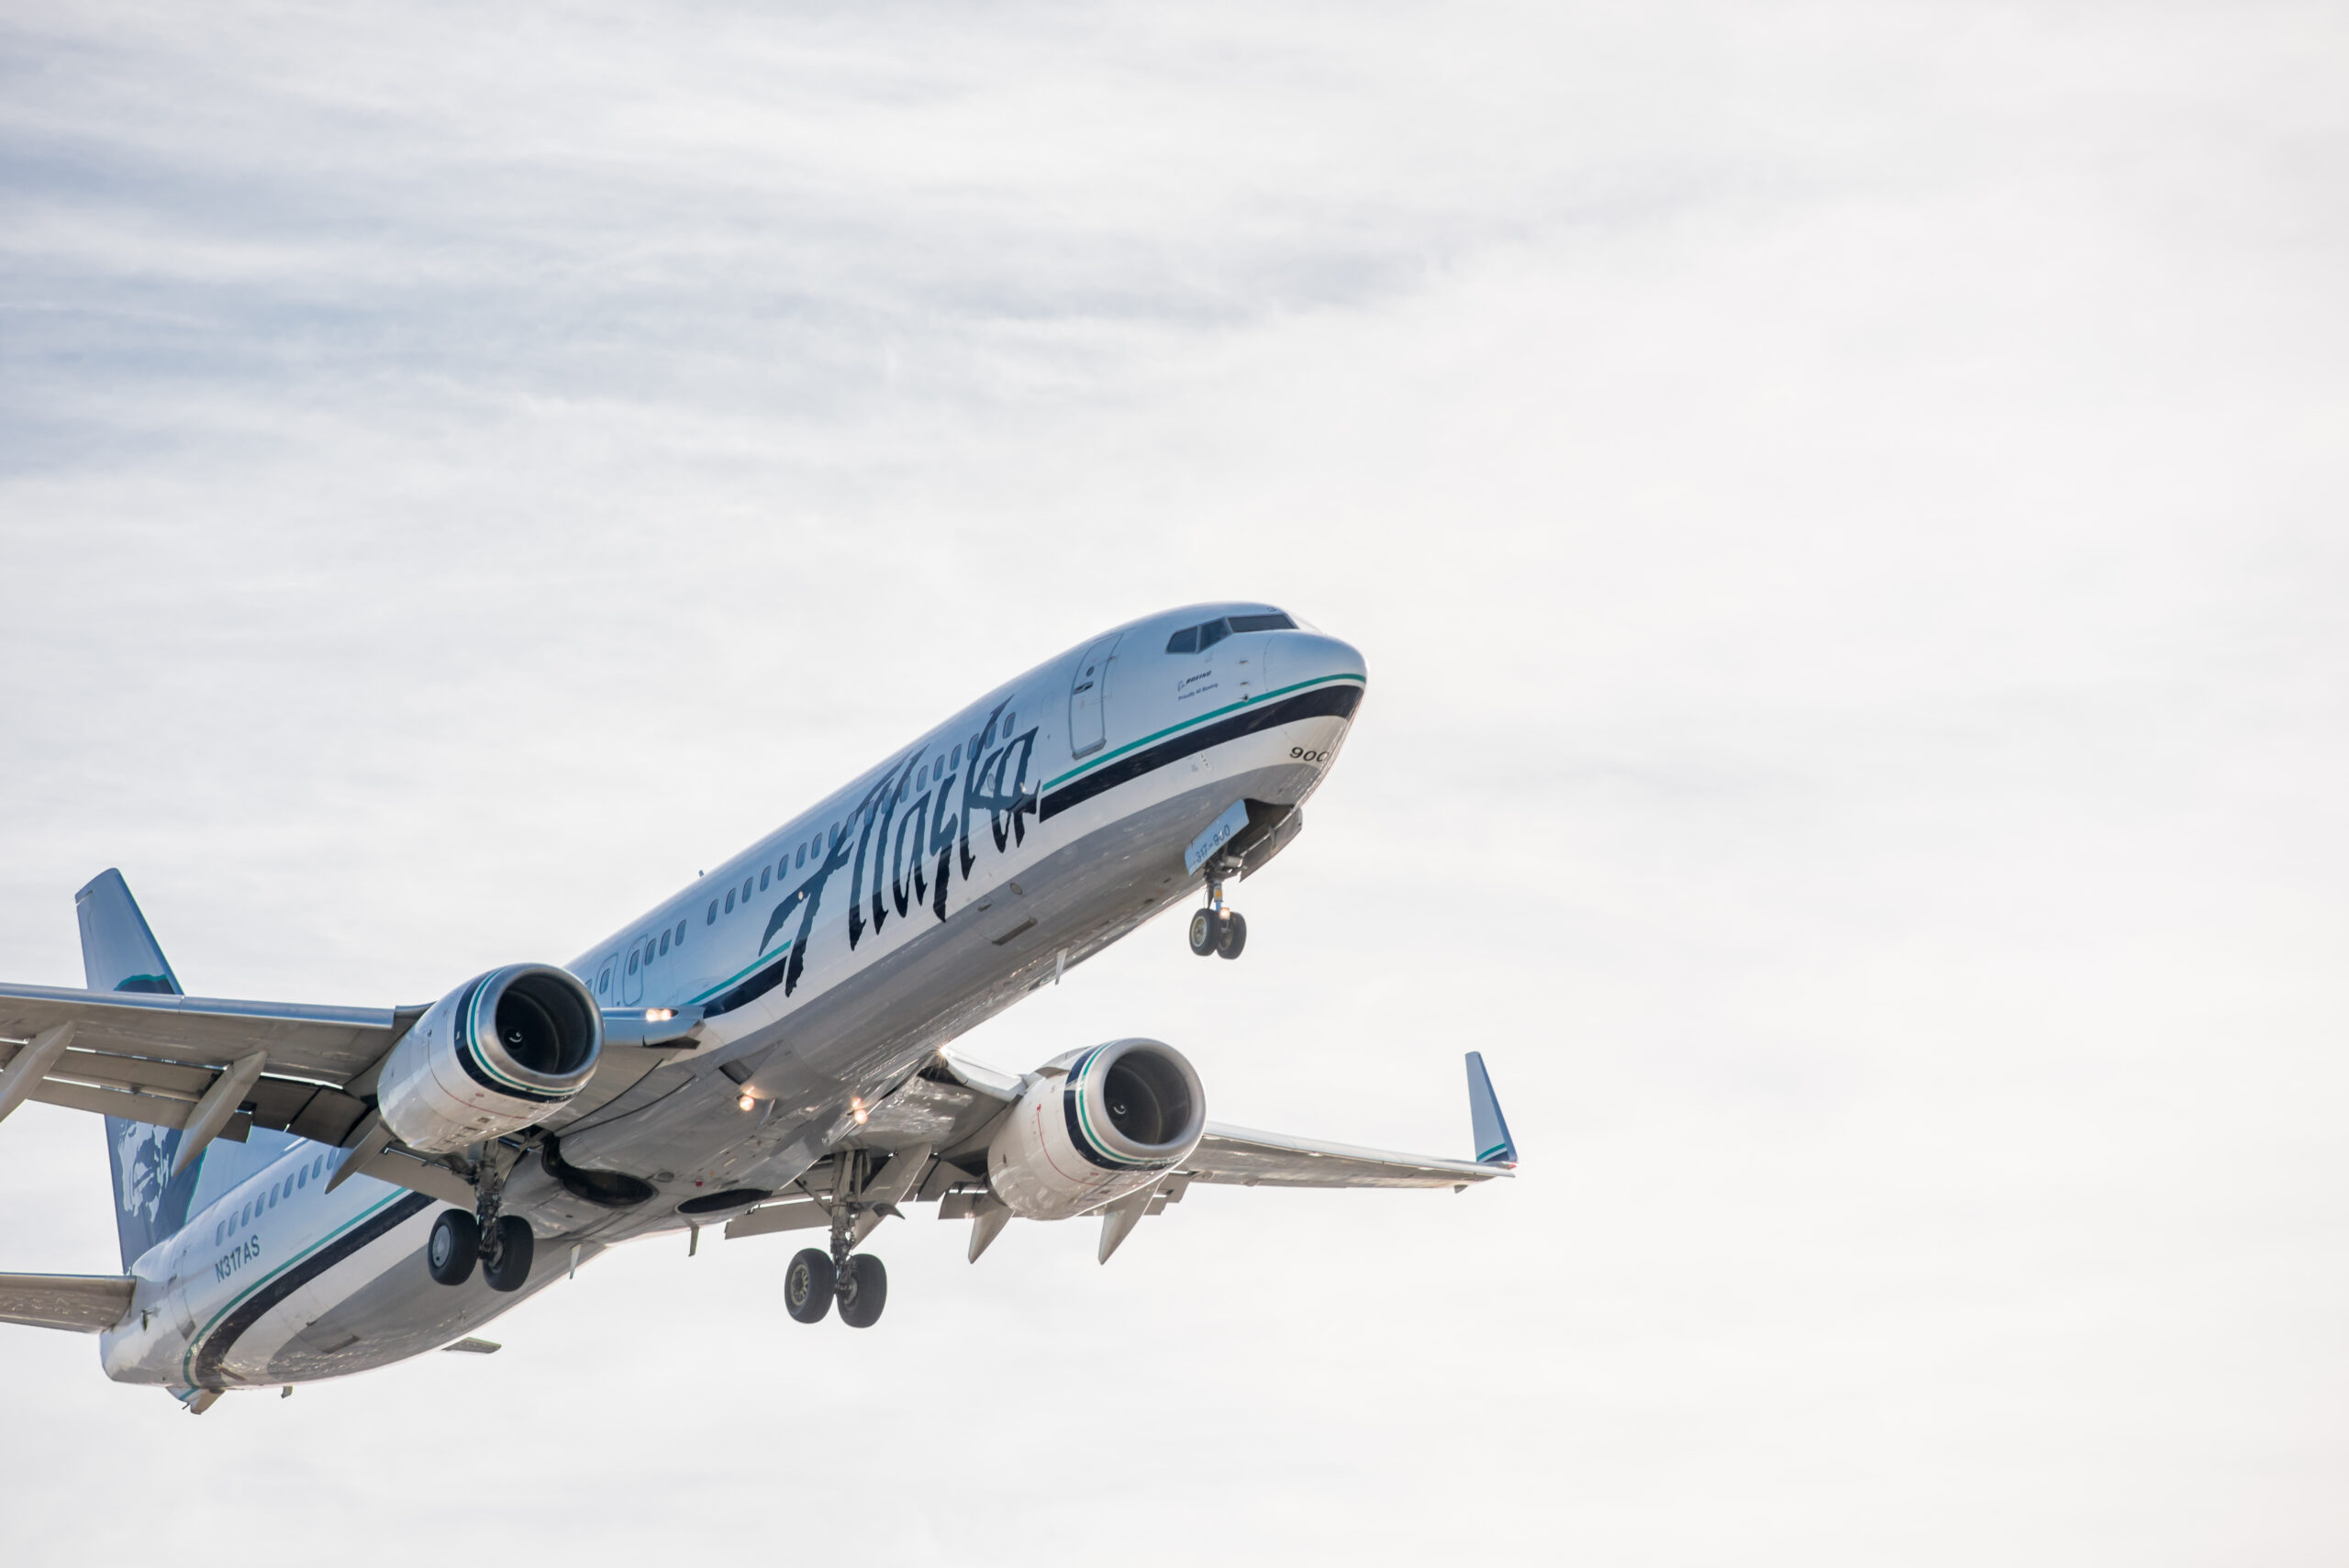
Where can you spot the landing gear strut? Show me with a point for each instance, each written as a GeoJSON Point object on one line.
{"type": "Point", "coordinates": [502, 1244]}
{"type": "Point", "coordinates": [857, 1280]}
{"type": "Point", "coordinates": [1216, 929]}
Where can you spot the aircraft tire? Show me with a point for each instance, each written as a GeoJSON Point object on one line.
{"type": "Point", "coordinates": [1232, 935]}
{"type": "Point", "coordinates": [514, 1246]}
{"type": "Point", "coordinates": [1203, 933]}
{"type": "Point", "coordinates": [454, 1247]}
{"type": "Point", "coordinates": [867, 1292]}
{"type": "Point", "coordinates": [808, 1285]}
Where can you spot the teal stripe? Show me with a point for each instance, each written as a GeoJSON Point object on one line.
{"type": "Point", "coordinates": [740, 974]}
{"type": "Point", "coordinates": [1496, 1149]}
{"type": "Point", "coordinates": [187, 1362]}
{"type": "Point", "coordinates": [1194, 723]}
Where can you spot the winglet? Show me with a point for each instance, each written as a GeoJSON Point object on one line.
{"type": "Point", "coordinates": [1494, 1145]}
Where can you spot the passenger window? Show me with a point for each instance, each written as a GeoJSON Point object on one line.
{"type": "Point", "coordinates": [730, 901]}
{"type": "Point", "coordinates": [1010, 722]}
{"type": "Point", "coordinates": [680, 933]}
{"type": "Point", "coordinates": [664, 941]}
{"type": "Point", "coordinates": [764, 875]}
{"type": "Point", "coordinates": [631, 961]}
{"type": "Point", "coordinates": [221, 1233]}
{"type": "Point", "coordinates": [317, 1164]}
{"type": "Point", "coordinates": [603, 982]}
{"type": "Point", "coordinates": [272, 1197]}
{"type": "Point", "coordinates": [1183, 641]}
{"type": "Point", "coordinates": [803, 854]}
{"type": "Point", "coordinates": [302, 1177]}
{"type": "Point", "coordinates": [958, 756]}
{"type": "Point", "coordinates": [713, 914]}
{"type": "Point", "coordinates": [746, 890]}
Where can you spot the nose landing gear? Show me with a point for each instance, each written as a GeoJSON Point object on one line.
{"type": "Point", "coordinates": [1216, 929]}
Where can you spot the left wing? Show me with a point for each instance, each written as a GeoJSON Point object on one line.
{"type": "Point", "coordinates": [153, 1056]}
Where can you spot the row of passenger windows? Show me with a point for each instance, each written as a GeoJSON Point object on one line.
{"type": "Point", "coordinates": [264, 1202]}
{"type": "Point", "coordinates": [797, 857]}
{"type": "Point", "coordinates": [649, 947]}
{"type": "Point", "coordinates": [1200, 639]}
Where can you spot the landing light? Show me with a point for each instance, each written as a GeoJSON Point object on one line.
{"type": "Point", "coordinates": [748, 1101]}
{"type": "Point", "coordinates": [856, 1108]}
{"type": "Point", "coordinates": [659, 1015]}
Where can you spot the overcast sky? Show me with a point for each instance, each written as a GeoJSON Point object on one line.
{"type": "Point", "coordinates": [1844, 504]}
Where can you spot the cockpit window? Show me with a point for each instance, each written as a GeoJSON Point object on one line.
{"type": "Point", "coordinates": [1200, 639]}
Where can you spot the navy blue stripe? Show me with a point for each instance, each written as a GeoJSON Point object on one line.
{"type": "Point", "coordinates": [1337, 702]}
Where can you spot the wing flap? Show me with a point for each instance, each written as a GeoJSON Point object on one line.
{"type": "Point", "coordinates": [80, 1303]}
{"type": "Point", "coordinates": [159, 1110]}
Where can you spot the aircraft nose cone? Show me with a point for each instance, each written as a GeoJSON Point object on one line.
{"type": "Point", "coordinates": [1301, 658]}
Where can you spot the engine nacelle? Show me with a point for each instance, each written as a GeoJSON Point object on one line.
{"type": "Point", "coordinates": [493, 1056]}
{"type": "Point", "coordinates": [1099, 1124]}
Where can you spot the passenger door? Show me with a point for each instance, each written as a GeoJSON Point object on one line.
{"type": "Point", "coordinates": [1088, 699]}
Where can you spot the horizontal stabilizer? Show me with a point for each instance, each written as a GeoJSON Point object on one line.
{"type": "Point", "coordinates": [80, 1303]}
{"type": "Point", "coordinates": [1494, 1145]}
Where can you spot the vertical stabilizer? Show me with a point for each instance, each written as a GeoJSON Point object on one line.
{"type": "Point", "coordinates": [1494, 1145]}
{"type": "Point", "coordinates": [119, 953]}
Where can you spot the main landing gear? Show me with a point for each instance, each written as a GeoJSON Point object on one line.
{"type": "Point", "coordinates": [1216, 929]}
{"type": "Point", "coordinates": [502, 1244]}
{"type": "Point", "coordinates": [856, 1279]}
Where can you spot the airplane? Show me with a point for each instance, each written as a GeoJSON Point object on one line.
{"type": "Point", "coordinates": [303, 1192]}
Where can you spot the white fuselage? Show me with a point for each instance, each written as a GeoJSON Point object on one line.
{"type": "Point", "coordinates": [836, 956]}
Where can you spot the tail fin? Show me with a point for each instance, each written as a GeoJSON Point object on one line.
{"type": "Point", "coordinates": [119, 953]}
{"type": "Point", "coordinates": [1494, 1145]}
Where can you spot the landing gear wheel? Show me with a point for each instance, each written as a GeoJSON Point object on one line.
{"type": "Point", "coordinates": [1203, 933]}
{"type": "Point", "coordinates": [807, 1286]}
{"type": "Point", "coordinates": [511, 1266]}
{"type": "Point", "coordinates": [454, 1247]}
{"type": "Point", "coordinates": [1232, 933]}
{"type": "Point", "coordinates": [864, 1292]}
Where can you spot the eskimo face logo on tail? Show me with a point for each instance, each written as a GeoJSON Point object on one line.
{"type": "Point", "coordinates": [151, 1204]}
{"type": "Point", "coordinates": [993, 786]}
{"type": "Point", "coordinates": [143, 1155]}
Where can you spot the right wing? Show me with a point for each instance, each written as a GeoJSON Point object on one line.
{"type": "Point", "coordinates": [1234, 1156]}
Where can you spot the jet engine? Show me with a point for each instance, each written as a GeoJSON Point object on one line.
{"type": "Point", "coordinates": [491, 1057]}
{"type": "Point", "coordinates": [1096, 1125]}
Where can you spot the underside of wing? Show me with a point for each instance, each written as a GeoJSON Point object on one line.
{"type": "Point", "coordinates": [153, 1058]}
{"type": "Point", "coordinates": [1236, 1156]}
